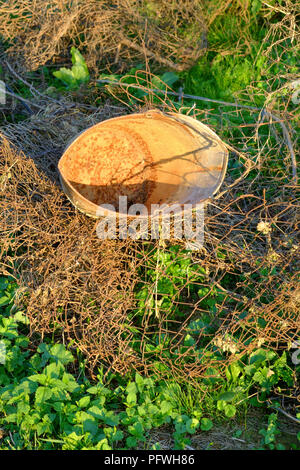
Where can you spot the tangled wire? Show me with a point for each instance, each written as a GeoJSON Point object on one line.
{"type": "Point", "coordinates": [111, 33]}
{"type": "Point", "coordinates": [83, 289]}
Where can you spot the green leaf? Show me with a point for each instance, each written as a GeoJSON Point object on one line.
{"type": "Point", "coordinates": [230, 410]}
{"type": "Point", "coordinates": [77, 75]}
{"type": "Point", "coordinates": [165, 407]}
{"type": "Point", "coordinates": [21, 317]}
{"type": "Point", "coordinates": [96, 412]}
{"type": "Point", "coordinates": [189, 340]}
{"type": "Point", "coordinates": [191, 425]}
{"type": "Point", "coordinates": [258, 357]}
{"type": "Point", "coordinates": [66, 76]}
{"type": "Point", "coordinates": [227, 396]}
{"type": "Point", "coordinates": [137, 430]}
{"type": "Point", "coordinates": [89, 423]}
{"type": "Point", "coordinates": [70, 383]}
{"type": "Point", "coordinates": [233, 371]}
{"type": "Point", "coordinates": [43, 394]}
{"type": "Point", "coordinates": [131, 388]}
{"type": "Point", "coordinates": [84, 402]}
{"type": "Point", "coordinates": [169, 78]}
{"type": "Point", "coordinates": [110, 418]}
{"type": "Point", "coordinates": [77, 58]}
{"type": "Point", "coordinates": [131, 442]}
{"type": "Point", "coordinates": [131, 398]}
{"type": "Point", "coordinates": [206, 424]}
{"type": "Point", "coordinates": [139, 382]}
{"type": "Point", "coordinates": [59, 353]}
{"type": "Point", "coordinates": [4, 300]}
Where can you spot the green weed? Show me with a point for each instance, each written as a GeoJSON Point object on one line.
{"type": "Point", "coordinates": [77, 75]}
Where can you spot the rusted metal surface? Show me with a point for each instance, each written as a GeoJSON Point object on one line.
{"type": "Point", "coordinates": [152, 158]}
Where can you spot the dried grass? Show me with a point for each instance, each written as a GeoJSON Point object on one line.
{"type": "Point", "coordinates": [110, 33]}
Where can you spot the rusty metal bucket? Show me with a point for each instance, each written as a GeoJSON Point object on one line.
{"type": "Point", "coordinates": [152, 158]}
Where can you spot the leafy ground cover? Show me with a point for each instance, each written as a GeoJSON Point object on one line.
{"type": "Point", "coordinates": [44, 404]}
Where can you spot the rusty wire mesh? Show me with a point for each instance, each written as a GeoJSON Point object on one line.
{"type": "Point", "coordinates": [110, 33]}
{"type": "Point", "coordinates": [85, 291]}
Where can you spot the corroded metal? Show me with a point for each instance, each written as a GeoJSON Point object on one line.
{"type": "Point", "coordinates": [152, 158]}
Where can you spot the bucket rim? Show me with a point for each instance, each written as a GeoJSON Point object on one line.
{"type": "Point", "coordinates": [186, 120]}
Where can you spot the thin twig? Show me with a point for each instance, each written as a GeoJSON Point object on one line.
{"type": "Point", "coordinates": [174, 93]}
{"type": "Point", "coordinates": [18, 97]}
{"type": "Point", "coordinates": [286, 414]}
{"type": "Point", "coordinates": [239, 440]}
{"type": "Point", "coordinates": [189, 447]}
{"type": "Point", "coordinates": [288, 142]}
{"type": "Point", "coordinates": [157, 57]}
{"type": "Point", "coordinates": [11, 438]}
{"type": "Point", "coordinates": [8, 89]}
{"type": "Point", "coordinates": [30, 86]}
